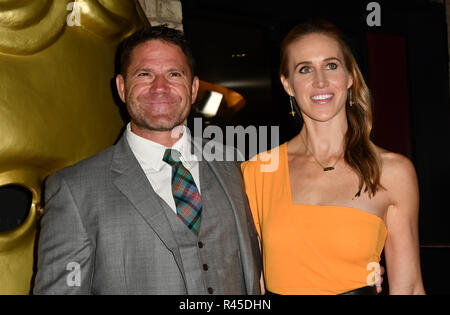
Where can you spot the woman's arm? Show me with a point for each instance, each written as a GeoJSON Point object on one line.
{"type": "Point", "coordinates": [402, 243]}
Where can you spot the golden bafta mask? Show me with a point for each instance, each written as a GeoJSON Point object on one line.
{"type": "Point", "coordinates": [56, 104]}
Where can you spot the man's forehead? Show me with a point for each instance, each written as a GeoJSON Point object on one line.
{"type": "Point", "coordinates": [158, 54]}
{"type": "Point", "coordinates": [159, 49]}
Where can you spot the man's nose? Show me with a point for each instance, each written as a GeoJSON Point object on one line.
{"type": "Point", "coordinates": [320, 80]}
{"type": "Point", "coordinates": [160, 84]}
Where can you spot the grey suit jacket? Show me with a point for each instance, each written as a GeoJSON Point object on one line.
{"type": "Point", "coordinates": [103, 231]}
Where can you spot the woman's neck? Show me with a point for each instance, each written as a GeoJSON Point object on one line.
{"type": "Point", "coordinates": [323, 139]}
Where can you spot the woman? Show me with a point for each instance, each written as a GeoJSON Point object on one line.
{"type": "Point", "coordinates": [335, 200]}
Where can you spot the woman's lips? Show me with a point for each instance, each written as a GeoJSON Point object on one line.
{"type": "Point", "coordinates": [322, 98]}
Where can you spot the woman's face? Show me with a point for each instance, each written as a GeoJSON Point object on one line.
{"type": "Point", "coordinates": [318, 78]}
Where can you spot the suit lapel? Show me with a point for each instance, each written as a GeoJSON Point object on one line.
{"type": "Point", "coordinates": [133, 183]}
{"type": "Point", "coordinates": [226, 175]}
{"type": "Point", "coordinates": [223, 172]}
{"type": "Point", "coordinates": [229, 179]}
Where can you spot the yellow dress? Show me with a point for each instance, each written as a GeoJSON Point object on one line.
{"type": "Point", "coordinates": [309, 249]}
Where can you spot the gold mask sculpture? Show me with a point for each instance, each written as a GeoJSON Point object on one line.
{"type": "Point", "coordinates": [56, 104]}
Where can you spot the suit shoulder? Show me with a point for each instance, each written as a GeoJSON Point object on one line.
{"type": "Point", "coordinates": [89, 166]}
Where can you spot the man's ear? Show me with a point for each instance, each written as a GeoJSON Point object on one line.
{"type": "Point", "coordinates": [195, 86]}
{"type": "Point", "coordinates": [286, 85]}
{"type": "Point", "coordinates": [120, 83]}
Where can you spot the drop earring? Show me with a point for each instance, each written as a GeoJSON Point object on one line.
{"type": "Point", "coordinates": [291, 100]}
{"type": "Point", "coordinates": [351, 102]}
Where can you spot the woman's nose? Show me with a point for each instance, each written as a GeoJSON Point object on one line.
{"type": "Point", "coordinates": [320, 79]}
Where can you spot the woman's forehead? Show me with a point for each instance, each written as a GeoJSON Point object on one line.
{"type": "Point", "coordinates": [315, 46]}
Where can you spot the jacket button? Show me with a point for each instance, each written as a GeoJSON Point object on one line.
{"type": "Point", "coordinates": [205, 267]}
{"type": "Point", "coordinates": [210, 290]}
{"type": "Point", "coordinates": [200, 245]}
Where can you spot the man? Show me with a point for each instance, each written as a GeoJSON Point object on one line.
{"type": "Point", "coordinates": [146, 216]}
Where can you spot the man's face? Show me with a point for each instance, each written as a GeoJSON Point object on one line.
{"type": "Point", "coordinates": [158, 89]}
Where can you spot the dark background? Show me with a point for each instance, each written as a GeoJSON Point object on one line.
{"type": "Point", "coordinates": [404, 62]}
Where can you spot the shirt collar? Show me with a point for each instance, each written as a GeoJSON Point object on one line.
{"type": "Point", "coordinates": [150, 154]}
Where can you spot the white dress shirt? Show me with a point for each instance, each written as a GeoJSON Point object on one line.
{"type": "Point", "coordinates": [150, 157]}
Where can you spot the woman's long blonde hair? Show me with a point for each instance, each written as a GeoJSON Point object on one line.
{"type": "Point", "coordinates": [360, 153]}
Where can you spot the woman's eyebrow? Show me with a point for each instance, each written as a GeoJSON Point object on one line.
{"type": "Point", "coordinates": [310, 62]}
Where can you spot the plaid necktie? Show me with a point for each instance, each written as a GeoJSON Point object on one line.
{"type": "Point", "coordinates": [186, 195]}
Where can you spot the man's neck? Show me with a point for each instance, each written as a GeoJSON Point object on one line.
{"type": "Point", "coordinates": [166, 138]}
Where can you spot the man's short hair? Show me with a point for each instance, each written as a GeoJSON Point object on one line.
{"type": "Point", "coordinates": [162, 33]}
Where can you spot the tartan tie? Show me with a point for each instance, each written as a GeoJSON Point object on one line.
{"type": "Point", "coordinates": [186, 195]}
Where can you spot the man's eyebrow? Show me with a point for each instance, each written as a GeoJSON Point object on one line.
{"type": "Point", "coordinates": [182, 70]}
{"type": "Point", "coordinates": [146, 69]}
{"type": "Point", "coordinates": [140, 69]}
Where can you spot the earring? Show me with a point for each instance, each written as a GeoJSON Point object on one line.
{"type": "Point", "coordinates": [291, 100]}
{"type": "Point", "coordinates": [351, 102]}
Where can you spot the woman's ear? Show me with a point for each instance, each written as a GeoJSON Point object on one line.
{"type": "Point", "coordinates": [350, 81]}
{"type": "Point", "coordinates": [286, 85]}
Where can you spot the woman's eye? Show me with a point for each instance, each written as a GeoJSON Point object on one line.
{"type": "Point", "coordinates": [332, 66]}
{"type": "Point", "coordinates": [304, 70]}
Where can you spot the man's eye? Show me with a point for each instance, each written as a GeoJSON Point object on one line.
{"type": "Point", "coordinates": [332, 66]}
{"type": "Point", "coordinates": [143, 74]}
{"type": "Point", "coordinates": [304, 70]}
{"type": "Point", "coordinates": [175, 74]}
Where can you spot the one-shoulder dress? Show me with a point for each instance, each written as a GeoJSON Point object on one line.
{"type": "Point", "coordinates": [309, 249]}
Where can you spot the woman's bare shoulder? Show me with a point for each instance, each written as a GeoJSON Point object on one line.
{"type": "Point", "coordinates": [397, 170]}
{"type": "Point", "coordinates": [395, 161]}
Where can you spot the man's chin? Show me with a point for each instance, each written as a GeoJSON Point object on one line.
{"type": "Point", "coordinates": [160, 127]}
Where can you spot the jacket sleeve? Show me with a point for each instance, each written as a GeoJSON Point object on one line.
{"type": "Point", "coordinates": [65, 253]}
